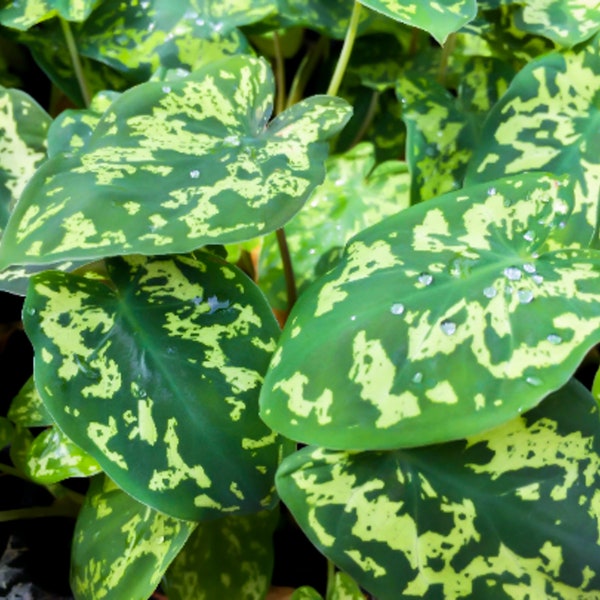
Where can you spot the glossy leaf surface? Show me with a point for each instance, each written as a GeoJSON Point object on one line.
{"type": "Point", "coordinates": [27, 13]}
{"type": "Point", "coordinates": [230, 557]}
{"type": "Point", "coordinates": [156, 374]}
{"type": "Point", "coordinates": [440, 19]}
{"type": "Point", "coordinates": [121, 548]}
{"type": "Point", "coordinates": [442, 321]}
{"type": "Point", "coordinates": [171, 168]}
{"type": "Point", "coordinates": [548, 120]}
{"type": "Point", "coordinates": [512, 513]}
{"type": "Point", "coordinates": [27, 408]}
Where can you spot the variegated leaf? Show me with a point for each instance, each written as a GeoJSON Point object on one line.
{"type": "Point", "coordinates": [121, 548]}
{"type": "Point", "coordinates": [170, 168]}
{"type": "Point", "coordinates": [512, 513]}
{"type": "Point", "coordinates": [548, 120]}
{"type": "Point", "coordinates": [156, 373]}
{"type": "Point", "coordinates": [440, 19]}
{"type": "Point", "coordinates": [354, 195]}
{"type": "Point", "coordinates": [566, 22]}
{"type": "Point", "coordinates": [139, 37]}
{"type": "Point", "coordinates": [306, 593]}
{"type": "Point", "coordinates": [441, 321]}
{"type": "Point", "coordinates": [50, 457]}
{"type": "Point", "coordinates": [230, 557]}
{"type": "Point", "coordinates": [27, 408]}
{"type": "Point", "coordinates": [24, 14]}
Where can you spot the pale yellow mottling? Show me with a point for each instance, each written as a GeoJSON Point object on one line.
{"type": "Point", "coordinates": [443, 393]}
{"type": "Point", "coordinates": [293, 387]}
{"type": "Point", "coordinates": [101, 434]}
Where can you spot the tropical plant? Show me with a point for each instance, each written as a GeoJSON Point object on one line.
{"type": "Point", "coordinates": [437, 287]}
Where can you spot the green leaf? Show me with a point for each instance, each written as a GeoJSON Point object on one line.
{"type": "Point", "coordinates": [344, 588]}
{"type": "Point", "coordinates": [306, 593]}
{"type": "Point", "coordinates": [156, 373]}
{"type": "Point", "coordinates": [440, 322]}
{"type": "Point", "coordinates": [440, 19]}
{"type": "Point", "coordinates": [50, 457]}
{"type": "Point", "coordinates": [512, 513]}
{"type": "Point", "coordinates": [170, 168]}
{"type": "Point", "coordinates": [354, 195]}
{"type": "Point", "coordinates": [138, 38]}
{"type": "Point", "coordinates": [121, 548]}
{"type": "Point", "coordinates": [230, 557]}
{"type": "Point", "coordinates": [7, 432]}
{"type": "Point", "coordinates": [27, 13]}
{"type": "Point", "coordinates": [548, 120]}
{"type": "Point", "coordinates": [27, 408]}
{"type": "Point", "coordinates": [23, 129]}
{"type": "Point", "coordinates": [566, 22]}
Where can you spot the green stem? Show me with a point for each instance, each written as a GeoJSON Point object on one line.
{"type": "Point", "coordinates": [279, 75]}
{"type": "Point", "coordinates": [340, 68]}
{"type": "Point", "coordinates": [330, 580]}
{"type": "Point", "coordinates": [373, 104]}
{"type": "Point", "coordinates": [39, 512]}
{"type": "Point", "coordinates": [447, 50]}
{"type": "Point", "coordinates": [305, 70]}
{"type": "Point", "coordinates": [8, 470]}
{"type": "Point", "coordinates": [76, 61]}
{"type": "Point", "coordinates": [288, 270]}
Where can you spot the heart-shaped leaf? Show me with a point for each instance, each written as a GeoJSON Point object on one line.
{"type": "Point", "coordinates": [512, 513]}
{"type": "Point", "coordinates": [121, 548]}
{"type": "Point", "coordinates": [230, 557]}
{"type": "Point", "coordinates": [171, 168]}
{"type": "Point", "coordinates": [440, 19]}
{"type": "Point", "coordinates": [156, 373]}
{"type": "Point", "coordinates": [548, 121]}
{"type": "Point", "coordinates": [27, 13]}
{"type": "Point", "coordinates": [441, 321]}
{"type": "Point", "coordinates": [27, 408]}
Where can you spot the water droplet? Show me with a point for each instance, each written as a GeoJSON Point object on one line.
{"type": "Point", "coordinates": [525, 296]}
{"type": "Point", "coordinates": [553, 338]}
{"type": "Point", "coordinates": [448, 327]}
{"type": "Point", "coordinates": [537, 279]}
{"type": "Point", "coordinates": [529, 268]}
{"type": "Point", "coordinates": [533, 381]}
{"type": "Point", "coordinates": [425, 278]}
{"type": "Point", "coordinates": [397, 308]}
{"type": "Point", "coordinates": [160, 539]}
{"type": "Point", "coordinates": [529, 236]}
{"type": "Point", "coordinates": [166, 89]}
{"type": "Point", "coordinates": [417, 377]}
{"type": "Point", "coordinates": [490, 292]}
{"type": "Point", "coordinates": [231, 140]}
{"type": "Point", "coordinates": [513, 273]}
{"type": "Point", "coordinates": [562, 225]}
{"type": "Point", "coordinates": [200, 22]}
{"type": "Point", "coordinates": [353, 318]}
{"type": "Point", "coordinates": [196, 300]}
{"type": "Point", "coordinates": [215, 304]}
{"type": "Point", "coordinates": [508, 290]}
{"type": "Point", "coordinates": [195, 174]}
{"type": "Point", "coordinates": [145, 4]}
{"type": "Point", "coordinates": [491, 191]}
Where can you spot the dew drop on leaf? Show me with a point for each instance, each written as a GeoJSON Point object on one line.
{"type": "Point", "coordinates": [397, 308]}
{"type": "Point", "coordinates": [513, 273]}
{"type": "Point", "coordinates": [195, 174]}
{"type": "Point", "coordinates": [491, 191]}
{"type": "Point", "coordinates": [537, 279]}
{"type": "Point", "coordinates": [448, 327]}
{"type": "Point", "coordinates": [529, 236]}
{"type": "Point", "coordinates": [417, 377]}
{"type": "Point", "coordinates": [533, 381]}
{"type": "Point", "coordinates": [525, 296]}
{"type": "Point", "coordinates": [553, 338]}
{"type": "Point", "coordinates": [529, 268]}
{"type": "Point", "coordinates": [490, 292]}
{"type": "Point", "coordinates": [425, 278]}
{"type": "Point", "coordinates": [166, 89]}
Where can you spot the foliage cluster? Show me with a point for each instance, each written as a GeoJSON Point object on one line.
{"type": "Point", "coordinates": [436, 168]}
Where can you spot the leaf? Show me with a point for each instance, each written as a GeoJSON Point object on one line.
{"type": "Point", "coordinates": [156, 374]}
{"type": "Point", "coordinates": [440, 322]}
{"type": "Point", "coordinates": [138, 38]}
{"type": "Point", "coordinates": [306, 593]}
{"type": "Point", "coordinates": [27, 408]}
{"type": "Point", "coordinates": [440, 19]}
{"type": "Point", "coordinates": [121, 548]}
{"type": "Point", "coordinates": [50, 457]}
{"type": "Point", "coordinates": [354, 195]}
{"type": "Point", "coordinates": [169, 169]}
{"type": "Point", "coordinates": [7, 432]}
{"type": "Point", "coordinates": [230, 557]}
{"type": "Point", "coordinates": [344, 588]}
{"type": "Point", "coordinates": [27, 13]}
{"type": "Point", "coordinates": [512, 513]}
{"type": "Point", "coordinates": [566, 22]}
{"type": "Point", "coordinates": [548, 121]}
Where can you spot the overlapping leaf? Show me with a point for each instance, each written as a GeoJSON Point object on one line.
{"type": "Point", "coordinates": [155, 373]}
{"type": "Point", "coordinates": [27, 408]}
{"type": "Point", "coordinates": [170, 168]}
{"type": "Point", "coordinates": [441, 321]}
{"type": "Point", "coordinates": [512, 513]}
{"type": "Point", "coordinates": [354, 195]}
{"type": "Point", "coordinates": [137, 38]}
{"type": "Point", "coordinates": [7, 432]}
{"type": "Point", "coordinates": [440, 19]}
{"type": "Point", "coordinates": [548, 120]}
{"type": "Point", "coordinates": [121, 548]}
{"type": "Point", "coordinates": [566, 22]}
{"type": "Point", "coordinates": [27, 13]}
{"type": "Point", "coordinates": [230, 557]}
